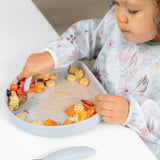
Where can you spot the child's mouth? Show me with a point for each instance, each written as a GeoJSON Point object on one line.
{"type": "Point", "coordinates": [123, 31]}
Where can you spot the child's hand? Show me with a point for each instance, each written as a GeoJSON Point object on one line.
{"type": "Point", "coordinates": [37, 65]}
{"type": "Point", "coordinates": [114, 109]}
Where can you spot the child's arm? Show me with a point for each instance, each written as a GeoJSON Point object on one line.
{"type": "Point", "coordinates": [37, 65]}
{"type": "Point", "coordinates": [138, 113]}
{"type": "Point", "coordinates": [81, 41]}
{"type": "Point", "coordinates": [144, 118]}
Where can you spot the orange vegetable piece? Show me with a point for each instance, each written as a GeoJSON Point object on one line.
{"type": "Point", "coordinates": [66, 122]}
{"type": "Point", "coordinates": [35, 89]}
{"type": "Point", "coordinates": [14, 86]}
{"type": "Point", "coordinates": [91, 111]}
{"type": "Point", "coordinates": [83, 115]}
{"type": "Point", "coordinates": [85, 107]}
{"type": "Point", "coordinates": [70, 111]}
{"type": "Point", "coordinates": [87, 102]}
{"type": "Point", "coordinates": [26, 111]}
{"type": "Point", "coordinates": [50, 122]}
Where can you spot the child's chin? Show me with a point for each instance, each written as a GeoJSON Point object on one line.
{"type": "Point", "coordinates": [133, 39]}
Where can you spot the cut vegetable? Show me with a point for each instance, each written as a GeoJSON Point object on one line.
{"type": "Point", "coordinates": [70, 111]}
{"type": "Point", "coordinates": [50, 122]}
{"type": "Point", "coordinates": [87, 102]}
{"type": "Point", "coordinates": [35, 89]}
{"type": "Point", "coordinates": [66, 122]}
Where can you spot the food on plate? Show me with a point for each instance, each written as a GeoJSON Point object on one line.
{"type": "Point", "coordinates": [46, 77]}
{"type": "Point", "coordinates": [66, 122]}
{"type": "Point", "coordinates": [87, 102]}
{"type": "Point", "coordinates": [8, 92]}
{"type": "Point", "coordinates": [80, 112]}
{"type": "Point", "coordinates": [16, 94]}
{"type": "Point", "coordinates": [13, 101]}
{"type": "Point", "coordinates": [74, 118]}
{"type": "Point", "coordinates": [26, 111]}
{"type": "Point", "coordinates": [38, 123]}
{"type": "Point", "coordinates": [79, 74]}
{"type": "Point", "coordinates": [50, 122]}
{"type": "Point", "coordinates": [73, 69]}
{"type": "Point", "coordinates": [39, 84]}
{"type": "Point", "coordinates": [22, 100]}
{"type": "Point", "coordinates": [71, 78]}
{"type": "Point", "coordinates": [70, 111]}
{"type": "Point", "coordinates": [84, 82]}
{"type": "Point", "coordinates": [21, 116]}
{"type": "Point", "coordinates": [50, 83]}
{"type": "Point", "coordinates": [14, 86]}
{"type": "Point", "coordinates": [50, 76]}
{"type": "Point", "coordinates": [78, 108]}
{"type": "Point", "coordinates": [76, 112]}
{"type": "Point", "coordinates": [82, 115]}
{"type": "Point", "coordinates": [35, 89]}
{"type": "Point", "coordinates": [53, 76]}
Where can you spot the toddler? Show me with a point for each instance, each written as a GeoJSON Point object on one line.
{"type": "Point", "coordinates": [126, 44]}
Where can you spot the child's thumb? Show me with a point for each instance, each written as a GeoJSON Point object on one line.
{"type": "Point", "coordinates": [22, 75]}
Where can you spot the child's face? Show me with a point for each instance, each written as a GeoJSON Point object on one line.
{"type": "Point", "coordinates": [137, 19]}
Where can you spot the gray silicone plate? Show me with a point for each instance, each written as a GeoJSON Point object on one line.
{"type": "Point", "coordinates": [54, 101]}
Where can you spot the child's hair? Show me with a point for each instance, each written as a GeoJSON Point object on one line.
{"type": "Point", "coordinates": [158, 25]}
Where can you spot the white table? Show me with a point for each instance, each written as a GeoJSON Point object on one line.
{"type": "Point", "coordinates": [24, 31]}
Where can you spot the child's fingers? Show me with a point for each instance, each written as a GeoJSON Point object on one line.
{"type": "Point", "coordinates": [107, 119]}
{"type": "Point", "coordinates": [105, 105]}
{"type": "Point", "coordinates": [104, 97]}
{"type": "Point", "coordinates": [110, 120]}
{"type": "Point", "coordinates": [104, 112]}
{"type": "Point", "coordinates": [24, 74]}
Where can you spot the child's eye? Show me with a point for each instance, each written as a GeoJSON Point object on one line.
{"type": "Point", "coordinates": [132, 11]}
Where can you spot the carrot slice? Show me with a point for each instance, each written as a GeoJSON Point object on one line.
{"type": "Point", "coordinates": [66, 122]}
{"type": "Point", "coordinates": [83, 115]}
{"type": "Point", "coordinates": [91, 111]}
{"type": "Point", "coordinates": [70, 111]}
{"type": "Point", "coordinates": [50, 122]}
{"type": "Point", "coordinates": [35, 89]}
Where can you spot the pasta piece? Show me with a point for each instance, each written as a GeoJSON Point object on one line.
{"type": "Point", "coordinates": [46, 77]}
{"type": "Point", "coordinates": [71, 78]}
{"type": "Point", "coordinates": [74, 118]}
{"type": "Point", "coordinates": [11, 108]}
{"type": "Point", "coordinates": [39, 84]}
{"type": "Point", "coordinates": [73, 69]}
{"type": "Point", "coordinates": [29, 121]}
{"type": "Point", "coordinates": [13, 105]}
{"type": "Point", "coordinates": [53, 76]}
{"type": "Point", "coordinates": [13, 101]}
{"type": "Point", "coordinates": [79, 74]}
{"type": "Point", "coordinates": [38, 123]}
{"type": "Point", "coordinates": [21, 116]}
{"type": "Point", "coordinates": [78, 108]}
{"type": "Point", "coordinates": [13, 93]}
{"type": "Point", "coordinates": [84, 82]}
{"type": "Point", "coordinates": [50, 83]}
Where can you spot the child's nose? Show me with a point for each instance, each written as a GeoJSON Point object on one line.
{"type": "Point", "coordinates": [121, 18]}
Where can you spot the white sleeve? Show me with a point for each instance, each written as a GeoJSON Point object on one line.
{"type": "Point", "coordinates": [81, 41]}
